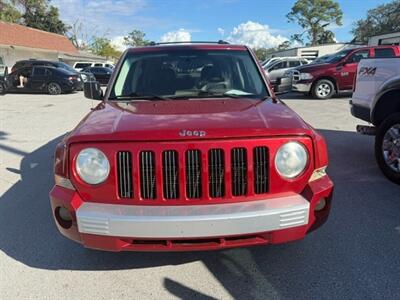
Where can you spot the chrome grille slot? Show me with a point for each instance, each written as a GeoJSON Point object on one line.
{"type": "Point", "coordinates": [193, 174]}
{"type": "Point", "coordinates": [124, 161]}
{"type": "Point", "coordinates": [239, 171]}
{"type": "Point", "coordinates": [170, 174]}
{"type": "Point", "coordinates": [216, 173]}
{"type": "Point", "coordinates": [260, 167]}
{"type": "Point", "coordinates": [147, 175]}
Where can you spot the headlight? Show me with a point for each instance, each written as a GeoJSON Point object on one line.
{"type": "Point", "coordinates": [84, 77]}
{"type": "Point", "coordinates": [92, 166]}
{"type": "Point", "coordinates": [305, 76]}
{"type": "Point", "coordinates": [291, 159]}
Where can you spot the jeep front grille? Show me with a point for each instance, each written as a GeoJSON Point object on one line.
{"type": "Point", "coordinates": [216, 173]}
{"type": "Point", "coordinates": [124, 161]}
{"type": "Point", "coordinates": [239, 171]}
{"type": "Point", "coordinates": [195, 174]}
{"type": "Point", "coordinates": [147, 175]}
{"type": "Point", "coordinates": [260, 161]}
{"type": "Point", "coordinates": [170, 174]}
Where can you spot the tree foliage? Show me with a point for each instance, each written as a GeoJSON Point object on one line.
{"type": "Point", "coordinates": [313, 16]}
{"type": "Point", "coordinates": [33, 13]}
{"type": "Point", "coordinates": [384, 18]}
{"type": "Point", "coordinates": [8, 11]}
{"type": "Point", "coordinates": [102, 46]}
{"type": "Point", "coordinates": [135, 38]}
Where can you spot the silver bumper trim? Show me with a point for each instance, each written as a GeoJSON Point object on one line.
{"type": "Point", "coordinates": [301, 87]}
{"type": "Point", "coordinates": [192, 220]}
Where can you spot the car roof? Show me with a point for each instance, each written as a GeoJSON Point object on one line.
{"type": "Point", "coordinates": [188, 45]}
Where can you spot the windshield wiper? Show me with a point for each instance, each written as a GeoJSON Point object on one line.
{"type": "Point", "coordinates": [206, 93]}
{"type": "Point", "coordinates": [136, 96]}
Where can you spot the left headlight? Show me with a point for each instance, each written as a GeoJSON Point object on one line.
{"type": "Point", "coordinates": [291, 159]}
{"type": "Point", "coordinates": [92, 166]}
{"type": "Point", "coordinates": [305, 76]}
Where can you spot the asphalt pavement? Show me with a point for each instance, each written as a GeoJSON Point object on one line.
{"type": "Point", "coordinates": [355, 255]}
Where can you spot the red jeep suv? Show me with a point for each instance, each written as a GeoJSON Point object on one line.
{"type": "Point", "coordinates": [189, 150]}
{"type": "Point", "coordinates": [337, 72]}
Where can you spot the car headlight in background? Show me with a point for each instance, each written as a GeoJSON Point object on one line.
{"type": "Point", "coordinates": [92, 166]}
{"type": "Point", "coordinates": [291, 159]}
{"type": "Point", "coordinates": [84, 77]}
{"type": "Point", "coordinates": [305, 76]}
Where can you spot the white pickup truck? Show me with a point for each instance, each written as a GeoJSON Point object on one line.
{"type": "Point", "coordinates": [376, 99]}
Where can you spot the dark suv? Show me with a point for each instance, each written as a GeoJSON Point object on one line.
{"type": "Point", "coordinates": [40, 79]}
{"type": "Point", "coordinates": [82, 76]}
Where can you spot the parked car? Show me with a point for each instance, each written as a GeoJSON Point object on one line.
{"type": "Point", "coordinates": [3, 67]}
{"type": "Point", "coordinates": [278, 67]}
{"type": "Point", "coordinates": [40, 79]}
{"type": "Point", "coordinates": [189, 149]}
{"type": "Point", "coordinates": [376, 99]}
{"type": "Point", "coordinates": [337, 73]}
{"type": "Point", "coordinates": [82, 76]}
{"type": "Point", "coordinates": [101, 74]}
{"type": "Point", "coordinates": [80, 65]}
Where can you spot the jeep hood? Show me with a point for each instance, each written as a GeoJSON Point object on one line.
{"type": "Point", "coordinates": [164, 120]}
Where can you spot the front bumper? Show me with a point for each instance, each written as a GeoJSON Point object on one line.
{"type": "Point", "coordinates": [193, 227]}
{"type": "Point", "coordinates": [302, 87]}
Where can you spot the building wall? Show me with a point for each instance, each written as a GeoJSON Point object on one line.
{"type": "Point", "coordinates": [385, 39]}
{"type": "Point", "coordinates": [12, 54]}
{"type": "Point", "coordinates": [313, 51]}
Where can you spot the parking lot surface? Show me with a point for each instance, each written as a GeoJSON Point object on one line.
{"type": "Point", "coordinates": [355, 255]}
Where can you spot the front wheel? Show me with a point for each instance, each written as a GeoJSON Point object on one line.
{"type": "Point", "coordinates": [54, 88]}
{"type": "Point", "coordinates": [387, 147]}
{"type": "Point", "coordinates": [323, 89]}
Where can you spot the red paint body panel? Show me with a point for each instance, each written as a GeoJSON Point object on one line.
{"type": "Point", "coordinates": [156, 126]}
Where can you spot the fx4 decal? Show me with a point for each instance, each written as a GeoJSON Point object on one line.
{"type": "Point", "coordinates": [367, 71]}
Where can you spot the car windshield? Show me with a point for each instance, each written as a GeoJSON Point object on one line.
{"type": "Point", "coordinates": [337, 56]}
{"type": "Point", "coordinates": [180, 74]}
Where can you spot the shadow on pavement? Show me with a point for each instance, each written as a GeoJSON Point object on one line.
{"type": "Point", "coordinates": [354, 255]}
{"type": "Point", "coordinates": [301, 96]}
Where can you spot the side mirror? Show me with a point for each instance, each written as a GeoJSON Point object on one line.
{"type": "Point", "coordinates": [92, 90]}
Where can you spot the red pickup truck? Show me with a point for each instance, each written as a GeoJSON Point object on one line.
{"type": "Point", "coordinates": [337, 73]}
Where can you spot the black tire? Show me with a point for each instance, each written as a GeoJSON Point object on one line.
{"type": "Point", "coordinates": [383, 135]}
{"type": "Point", "coordinates": [323, 89]}
{"type": "Point", "coordinates": [2, 89]}
{"type": "Point", "coordinates": [53, 88]}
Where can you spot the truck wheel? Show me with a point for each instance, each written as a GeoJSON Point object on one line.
{"type": "Point", "coordinates": [2, 89]}
{"type": "Point", "coordinates": [387, 147]}
{"type": "Point", "coordinates": [54, 88]}
{"type": "Point", "coordinates": [323, 89]}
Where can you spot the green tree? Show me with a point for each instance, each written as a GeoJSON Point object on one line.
{"type": "Point", "coordinates": [136, 38]}
{"type": "Point", "coordinates": [284, 45]}
{"type": "Point", "coordinates": [382, 19]}
{"type": "Point", "coordinates": [262, 53]}
{"type": "Point", "coordinates": [326, 37]}
{"type": "Point", "coordinates": [102, 46]}
{"type": "Point", "coordinates": [41, 15]}
{"type": "Point", "coordinates": [8, 11]}
{"type": "Point", "coordinates": [313, 16]}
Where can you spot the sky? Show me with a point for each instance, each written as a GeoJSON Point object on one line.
{"type": "Point", "coordinates": [257, 23]}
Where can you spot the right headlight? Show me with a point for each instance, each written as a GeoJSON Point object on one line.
{"type": "Point", "coordinates": [92, 166]}
{"type": "Point", "coordinates": [291, 159]}
{"type": "Point", "coordinates": [305, 76]}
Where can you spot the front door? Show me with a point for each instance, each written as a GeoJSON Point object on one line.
{"type": "Point", "coordinates": [38, 79]}
{"type": "Point", "coordinates": [348, 69]}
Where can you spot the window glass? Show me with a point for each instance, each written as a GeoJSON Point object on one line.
{"type": "Point", "coordinates": [82, 65]}
{"type": "Point", "coordinates": [384, 52]}
{"type": "Point", "coordinates": [39, 71]}
{"type": "Point", "coordinates": [279, 65]}
{"type": "Point", "coordinates": [294, 63]}
{"type": "Point", "coordinates": [98, 65]}
{"type": "Point", "coordinates": [189, 73]}
{"type": "Point", "coordinates": [357, 56]}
